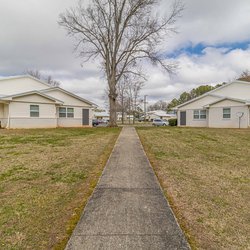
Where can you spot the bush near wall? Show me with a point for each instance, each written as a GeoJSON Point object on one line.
{"type": "Point", "coordinates": [172, 122]}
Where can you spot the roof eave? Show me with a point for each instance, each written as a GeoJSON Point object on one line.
{"type": "Point", "coordinates": [6, 99]}
{"type": "Point", "coordinates": [10, 97]}
{"type": "Point", "coordinates": [24, 76]}
{"type": "Point", "coordinates": [226, 98]}
{"type": "Point", "coordinates": [71, 94]}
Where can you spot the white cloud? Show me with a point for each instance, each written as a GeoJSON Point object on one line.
{"type": "Point", "coordinates": [214, 66]}
{"type": "Point", "coordinates": [30, 38]}
{"type": "Point", "coordinates": [212, 22]}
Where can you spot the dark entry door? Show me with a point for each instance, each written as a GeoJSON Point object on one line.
{"type": "Point", "coordinates": [85, 117]}
{"type": "Point", "coordinates": [183, 118]}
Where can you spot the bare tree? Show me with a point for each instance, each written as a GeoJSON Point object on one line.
{"type": "Point", "coordinates": [52, 82]}
{"type": "Point", "coordinates": [35, 73]}
{"type": "Point", "coordinates": [122, 88]}
{"type": "Point", "coordinates": [245, 76]}
{"type": "Point", "coordinates": [48, 79]}
{"type": "Point", "coordinates": [122, 33]}
{"type": "Point", "coordinates": [159, 105]}
{"type": "Point", "coordinates": [128, 90]}
{"type": "Point", "coordinates": [134, 87]}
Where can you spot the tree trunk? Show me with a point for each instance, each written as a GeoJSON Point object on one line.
{"type": "Point", "coordinates": [122, 110]}
{"type": "Point", "coordinates": [134, 109]}
{"type": "Point", "coordinates": [122, 117]}
{"type": "Point", "coordinates": [112, 100]}
{"type": "Point", "coordinates": [112, 115]}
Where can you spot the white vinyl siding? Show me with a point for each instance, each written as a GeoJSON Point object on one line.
{"type": "Point", "coordinates": [20, 116]}
{"type": "Point", "coordinates": [66, 112]}
{"type": "Point", "coordinates": [226, 113]}
{"type": "Point", "coordinates": [200, 114]}
{"type": "Point", "coordinates": [34, 110]}
{"type": "Point", "coordinates": [216, 119]}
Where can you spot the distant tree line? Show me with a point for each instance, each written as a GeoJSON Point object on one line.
{"type": "Point", "coordinates": [195, 92]}
{"type": "Point", "coordinates": [184, 97]}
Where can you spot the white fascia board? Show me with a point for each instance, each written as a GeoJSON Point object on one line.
{"type": "Point", "coordinates": [195, 99]}
{"type": "Point", "coordinates": [24, 76]}
{"type": "Point", "coordinates": [71, 94]}
{"type": "Point", "coordinates": [10, 97]}
{"type": "Point", "coordinates": [226, 98]}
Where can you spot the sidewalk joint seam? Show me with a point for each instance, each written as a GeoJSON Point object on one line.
{"type": "Point", "coordinates": [108, 235]}
{"type": "Point", "coordinates": [125, 189]}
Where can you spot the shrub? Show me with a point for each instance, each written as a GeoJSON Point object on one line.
{"type": "Point", "coordinates": [172, 122]}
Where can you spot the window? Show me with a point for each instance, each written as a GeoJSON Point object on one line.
{"type": "Point", "coordinates": [66, 112]}
{"type": "Point", "coordinates": [203, 114]}
{"type": "Point", "coordinates": [227, 113]}
{"type": "Point", "coordinates": [196, 114]}
{"type": "Point", "coordinates": [200, 114]}
{"type": "Point", "coordinates": [70, 112]}
{"type": "Point", "coordinates": [62, 112]}
{"type": "Point", "coordinates": [34, 110]}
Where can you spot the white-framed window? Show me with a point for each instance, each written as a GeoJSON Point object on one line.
{"type": "Point", "coordinates": [70, 112]}
{"type": "Point", "coordinates": [196, 114]}
{"type": "Point", "coordinates": [226, 113]}
{"type": "Point", "coordinates": [66, 112]}
{"type": "Point", "coordinates": [62, 112]}
{"type": "Point", "coordinates": [200, 114]}
{"type": "Point", "coordinates": [34, 110]}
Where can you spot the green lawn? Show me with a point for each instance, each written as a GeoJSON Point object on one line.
{"type": "Point", "coordinates": [46, 177]}
{"type": "Point", "coordinates": [205, 173]}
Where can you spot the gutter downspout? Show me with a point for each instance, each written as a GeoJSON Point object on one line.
{"type": "Point", "coordinates": [57, 115]}
{"type": "Point", "coordinates": [8, 119]}
{"type": "Point", "coordinates": [249, 116]}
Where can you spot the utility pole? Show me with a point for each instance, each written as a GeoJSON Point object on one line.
{"type": "Point", "coordinates": [145, 106]}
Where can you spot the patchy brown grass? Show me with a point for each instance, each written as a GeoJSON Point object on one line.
{"type": "Point", "coordinates": [46, 177]}
{"type": "Point", "coordinates": [205, 174]}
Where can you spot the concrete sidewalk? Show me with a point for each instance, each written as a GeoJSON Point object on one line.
{"type": "Point", "coordinates": [127, 209]}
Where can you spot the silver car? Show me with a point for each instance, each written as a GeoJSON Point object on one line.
{"type": "Point", "coordinates": [159, 122]}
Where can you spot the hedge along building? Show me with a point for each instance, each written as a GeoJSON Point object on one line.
{"type": "Point", "coordinates": [225, 107]}
{"type": "Point", "coordinates": [26, 102]}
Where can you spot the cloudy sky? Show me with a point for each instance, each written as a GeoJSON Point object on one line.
{"type": "Point", "coordinates": [212, 46]}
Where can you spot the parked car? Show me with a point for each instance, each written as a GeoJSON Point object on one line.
{"type": "Point", "coordinates": [99, 122]}
{"type": "Point", "coordinates": [105, 120]}
{"type": "Point", "coordinates": [103, 123]}
{"type": "Point", "coordinates": [159, 122]}
{"type": "Point", "coordinates": [95, 122]}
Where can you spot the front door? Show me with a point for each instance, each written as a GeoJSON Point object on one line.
{"type": "Point", "coordinates": [85, 117]}
{"type": "Point", "coordinates": [183, 118]}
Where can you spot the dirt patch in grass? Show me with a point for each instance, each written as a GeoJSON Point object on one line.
{"type": "Point", "coordinates": [46, 177]}
{"type": "Point", "coordinates": [205, 174]}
